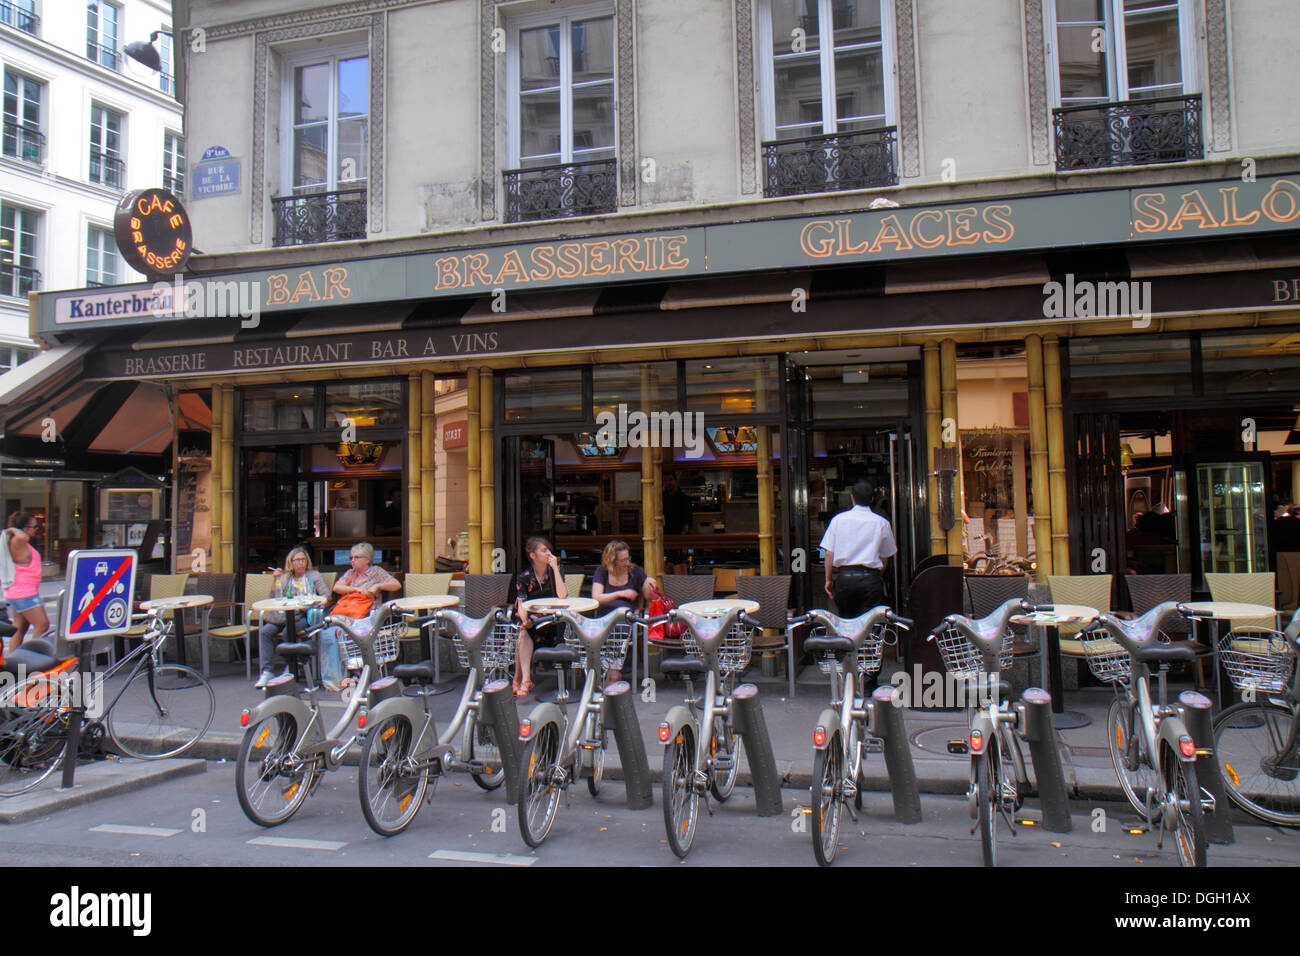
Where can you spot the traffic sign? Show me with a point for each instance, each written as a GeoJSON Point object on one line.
{"type": "Point", "coordinates": [101, 583]}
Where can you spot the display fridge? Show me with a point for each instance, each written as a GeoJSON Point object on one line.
{"type": "Point", "coordinates": [1233, 501]}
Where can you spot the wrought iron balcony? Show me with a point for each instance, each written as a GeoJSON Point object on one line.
{"type": "Point", "coordinates": [1133, 133]}
{"type": "Point", "coordinates": [106, 169]}
{"type": "Point", "coordinates": [320, 217]}
{"type": "Point", "coordinates": [561, 191]}
{"type": "Point", "coordinates": [25, 143]}
{"type": "Point", "coordinates": [16, 16]}
{"type": "Point", "coordinates": [830, 163]}
{"type": "Point", "coordinates": [18, 280]}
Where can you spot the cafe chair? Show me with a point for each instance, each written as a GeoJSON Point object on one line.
{"type": "Point", "coordinates": [257, 587]}
{"type": "Point", "coordinates": [573, 584]}
{"type": "Point", "coordinates": [724, 580]}
{"type": "Point", "coordinates": [772, 592]}
{"type": "Point", "coordinates": [160, 586]}
{"type": "Point", "coordinates": [420, 585]}
{"type": "Point", "coordinates": [985, 593]}
{"type": "Point", "coordinates": [680, 589]}
{"type": "Point", "coordinates": [329, 577]}
{"type": "Point", "coordinates": [221, 588]}
{"type": "Point", "coordinates": [1088, 590]}
{"type": "Point", "coordinates": [485, 593]}
{"type": "Point", "coordinates": [1145, 591]}
{"type": "Point", "coordinates": [1288, 580]}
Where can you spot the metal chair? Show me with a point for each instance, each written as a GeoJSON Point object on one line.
{"type": "Point", "coordinates": [1145, 591]}
{"type": "Point", "coordinates": [485, 593]}
{"type": "Point", "coordinates": [680, 589]}
{"type": "Point", "coordinates": [257, 587]}
{"type": "Point", "coordinates": [772, 592]}
{"type": "Point", "coordinates": [221, 587]}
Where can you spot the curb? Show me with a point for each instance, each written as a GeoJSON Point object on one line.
{"type": "Point", "coordinates": [96, 781]}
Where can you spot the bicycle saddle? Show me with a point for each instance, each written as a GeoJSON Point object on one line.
{"type": "Point", "coordinates": [1135, 633]}
{"type": "Point", "coordinates": [296, 649]}
{"type": "Point", "coordinates": [985, 629]}
{"type": "Point", "coordinates": [470, 629]}
{"type": "Point", "coordinates": [683, 665]}
{"type": "Point", "coordinates": [421, 673]}
{"type": "Point", "coordinates": [853, 628]}
{"type": "Point", "coordinates": [837, 645]}
{"type": "Point", "coordinates": [594, 628]}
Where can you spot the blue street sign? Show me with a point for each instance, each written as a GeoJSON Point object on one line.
{"type": "Point", "coordinates": [100, 585]}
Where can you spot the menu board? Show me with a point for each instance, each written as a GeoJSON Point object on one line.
{"type": "Point", "coordinates": [193, 514]}
{"type": "Point", "coordinates": [128, 504]}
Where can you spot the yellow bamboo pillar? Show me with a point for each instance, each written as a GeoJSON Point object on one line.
{"type": "Point", "coordinates": [228, 563]}
{"type": "Point", "coordinates": [933, 440]}
{"type": "Point", "coordinates": [657, 469]}
{"type": "Point", "coordinates": [948, 384]}
{"type": "Point", "coordinates": [473, 502]}
{"type": "Point", "coordinates": [651, 520]}
{"type": "Point", "coordinates": [179, 560]}
{"type": "Point", "coordinates": [763, 478]}
{"type": "Point", "coordinates": [487, 469]}
{"type": "Point", "coordinates": [214, 516]}
{"type": "Point", "coordinates": [1056, 455]}
{"type": "Point", "coordinates": [414, 399]}
{"type": "Point", "coordinates": [428, 467]}
{"type": "Point", "coordinates": [1038, 456]}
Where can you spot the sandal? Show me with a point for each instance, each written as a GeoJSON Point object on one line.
{"type": "Point", "coordinates": [347, 682]}
{"type": "Point", "coordinates": [524, 689]}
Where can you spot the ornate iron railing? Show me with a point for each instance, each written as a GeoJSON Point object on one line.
{"type": "Point", "coordinates": [106, 169]}
{"type": "Point", "coordinates": [16, 16]}
{"type": "Point", "coordinates": [103, 55]}
{"type": "Point", "coordinates": [25, 143]}
{"type": "Point", "coordinates": [18, 280]}
{"type": "Point", "coordinates": [830, 163]}
{"type": "Point", "coordinates": [1133, 133]}
{"type": "Point", "coordinates": [561, 191]}
{"type": "Point", "coordinates": [320, 217]}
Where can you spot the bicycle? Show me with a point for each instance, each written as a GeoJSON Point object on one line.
{"type": "Point", "coordinates": [1153, 754]}
{"type": "Point", "coordinates": [285, 751]}
{"type": "Point", "coordinates": [158, 711]}
{"type": "Point", "coordinates": [843, 729]}
{"type": "Point", "coordinates": [1258, 740]}
{"type": "Point", "coordinates": [403, 751]}
{"type": "Point", "coordinates": [556, 754]}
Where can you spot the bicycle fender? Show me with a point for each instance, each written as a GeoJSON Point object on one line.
{"type": "Point", "coordinates": [1171, 728]}
{"type": "Point", "coordinates": [283, 704]}
{"type": "Point", "coordinates": [407, 707]}
{"type": "Point", "coordinates": [985, 725]}
{"type": "Point", "coordinates": [544, 714]}
{"type": "Point", "coordinates": [828, 721]}
{"type": "Point", "coordinates": [678, 717]}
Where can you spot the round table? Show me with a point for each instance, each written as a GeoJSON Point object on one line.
{"type": "Point", "coordinates": [719, 607]}
{"type": "Point", "coordinates": [175, 604]}
{"type": "Point", "coordinates": [290, 606]}
{"type": "Point", "coordinates": [578, 605]}
{"type": "Point", "coordinates": [1050, 665]}
{"type": "Point", "coordinates": [1217, 611]}
{"type": "Point", "coordinates": [429, 602]}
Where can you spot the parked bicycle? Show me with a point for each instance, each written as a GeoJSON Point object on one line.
{"type": "Point", "coordinates": [1154, 755]}
{"type": "Point", "coordinates": [286, 749]}
{"type": "Point", "coordinates": [403, 755]}
{"type": "Point", "coordinates": [153, 710]}
{"type": "Point", "coordinates": [844, 730]}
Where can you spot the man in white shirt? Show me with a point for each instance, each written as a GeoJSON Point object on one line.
{"type": "Point", "coordinates": [857, 542]}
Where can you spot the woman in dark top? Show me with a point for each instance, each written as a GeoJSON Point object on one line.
{"type": "Point", "coordinates": [541, 579]}
{"type": "Point", "coordinates": [619, 583]}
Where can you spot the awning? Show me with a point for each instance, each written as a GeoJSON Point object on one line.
{"type": "Point", "coordinates": [45, 372]}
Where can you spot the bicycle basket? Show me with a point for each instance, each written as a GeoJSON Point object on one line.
{"type": "Point", "coordinates": [1263, 661]}
{"type": "Point", "coordinates": [497, 652]}
{"type": "Point", "coordinates": [1107, 660]}
{"type": "Point", "coordinates": [963, 659]}
{"type": "Point", "coordinates": [385, 642]}
{"type": "Point", "coordinates": [612, 652]}
{"type": "Point", "coordinates": [733, 651]}
{"type": "Point", "coordinates": [869, 651]}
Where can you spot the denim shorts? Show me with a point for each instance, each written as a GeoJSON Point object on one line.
{"type": "Point", "coordinates": [25, 603]}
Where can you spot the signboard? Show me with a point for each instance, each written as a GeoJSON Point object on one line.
{"type": "Point", "coordinates": [153, 232]}
{"type": "Point", "coordinates": [100, 585]}
{"type": "Point", "coordinates": [455, 435]}
{"type": "Point", "coordinates": [216, 174]}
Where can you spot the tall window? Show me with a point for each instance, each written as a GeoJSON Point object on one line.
{"type": "Point", "coordinates": [1117, 50]}
{"type": "Point", "coordinates": [173, 163]}
{"type": "Point", "coordinates": [13, 357]}
{"type": "Point", "coordinates": [101, 257]}
{"type": "Point", "coordinates": [106, 167]}
{"type": "Point", "coordinates": [18, 273]}
{"type": "Point", "coordinates": [22, 118]}
{"type": "Point", "coordinates": [20, 14]}
{"type": "Point", "coordinates": [101, 32]}
{"type": "Point", "coordinates": [329, 114]}
{"type": "Point", "coordinates": [167, 76]}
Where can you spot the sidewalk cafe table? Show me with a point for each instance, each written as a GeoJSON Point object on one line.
{"type": "Point", "coordinates": [175, 604]}
{"type": "Point", "coordinates": [719, 607]}
{"type": "Point", "coordinates": [1049, 625]}
{"type": "Point", "coordinates": [1218, 611]}
{"type": "Point", "coordinates": [290, 606]}
{"type": "Point", "coordinates": [412, 606]}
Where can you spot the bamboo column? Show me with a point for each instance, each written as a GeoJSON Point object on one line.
{"type": "Point", "coordinates": [487, 469]}
{"type": "Point", "coordinates": [178, 560]}
{"type": "Point", "coordinates": [428, 467]}
{"type": "Point", "coordinates": [766, 543]}
{"type": "Point", "coordinates": [473, 524]}
{"type": "Point", "coordinates": [228, 563]}
{"type": "Point", "coordinates": [948, 380]}
{"type": "Point", "coordinates": [933, 440]}
{"type": "Point", "coordinates": [1038, 456]}
{"type": "Point", "coordinates": [414, 398]}
{"type": "Point", "coordinates": [1056, 455]}
{"type": "Point", "coordinates": [657, 472]}
{"type": "Point", "coordinates": [651, 519]}
{"type": "Point", "coordinates": [214, 516]}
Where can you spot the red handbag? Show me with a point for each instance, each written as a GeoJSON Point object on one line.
{"type": "Point", "coordinates": [661, 604]}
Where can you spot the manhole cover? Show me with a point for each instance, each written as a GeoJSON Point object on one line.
{"type": "Point", "coordinates": [934, 740]}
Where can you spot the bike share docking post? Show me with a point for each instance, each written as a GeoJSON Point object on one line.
{"type": "Point", "coordinates": [1038, 728]}
{"type": "Point", "coordinates": [620, 716]}
{"type": "Point", "coordinates": [498, 709]}
{"type": "Point", "coordinates": [762, 762]}
{"type": "Point", "coordinates": [76, 715]}
{"type": "Point", "coordinates": [1195, 710]}
{"type": "Point", "coordinates": [887, 723]}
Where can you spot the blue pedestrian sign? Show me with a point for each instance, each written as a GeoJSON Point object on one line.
{"type": "Point", "coordinates": [100, 584]}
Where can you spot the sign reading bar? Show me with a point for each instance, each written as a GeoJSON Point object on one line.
{"type": "Point", "coordinates": [153, 232]}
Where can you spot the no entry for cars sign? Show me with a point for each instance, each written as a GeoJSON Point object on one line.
{"type": "Point", "coordinates": [98, 599]}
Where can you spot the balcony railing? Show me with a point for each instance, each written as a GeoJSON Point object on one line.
{"type": "Point", "coordinates": [106, 170]}
{"type": "Point", "coordinates": [830, 163]}
{"type": "Point", "coordinates": [25, 143]}
{"type": "Point", "coordinates": [1133, 133]}
{"type": "Point", "coordinates": [16, 16]}
{"type": "Point", "coordinates": [18, 280]}
{"type": "Point", "coordinates": [561, 191]}
{"type": "Point", "coordinates": [103, 55]}
{"type": "Point", "coordinates": [320, 217]}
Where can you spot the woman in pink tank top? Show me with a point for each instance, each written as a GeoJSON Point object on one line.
{"type": "Point", "coordinates": [24, 599]}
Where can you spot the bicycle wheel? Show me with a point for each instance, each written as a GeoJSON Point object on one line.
{"type": "Point", "coordinates": [391, 792]}
{"type": "Point", "coordinates": [1189, 817]}
{"type": "Point", "coordinates": [681, 799]}
{"type": "Point", "coordinates": [540, 796]}
{"type": "Point", "coordinates": [827, 775]}
{"type": "Point", "coordinates": [33, 738]}
{"type": "Point", "coordinates": [1126, 747]}
{"type": "Point", "coordinates": [1257, 754]}
{"type": "Point", "coordinates": [270, 780]}
{"type": "Point", "coordinates": [986, 797]}
{"type": "Point", "coordinates": [162, 712]}
{"type": "Point", "coordinates": [723, 782]}
{"type": "Point", "coordinates": [595, 730]}
{"type": "Point", "coordinates": [480, 742]}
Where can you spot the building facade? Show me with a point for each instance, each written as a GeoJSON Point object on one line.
{"type": "Point", "coordinates": [1032, 271]}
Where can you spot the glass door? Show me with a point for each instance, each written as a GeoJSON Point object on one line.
{"type": "Point", "coordinates": [1232, 513]}
{"type": "Point", "coordinates": [528, 493]}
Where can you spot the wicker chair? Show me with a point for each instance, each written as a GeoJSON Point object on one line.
{"type": "Point", "coordinates": [1089, 590]}
{"type": "Point", "coordinates": [1245, 634]}
{"type": "Point", "coordinates": [772, 592]}
{"type": "Point", "coordinates": [1145, 591]}
{"type": "Point", "coordinates": [221, 587]}
{"type": "Point", "coordinates": [485, 593]}
{"type": "Point", "coordinates": [257, 587]}
{"type": "Point", "coordinates": [573, 584]}
{"type": "Point", "coordinates": [680, 589]}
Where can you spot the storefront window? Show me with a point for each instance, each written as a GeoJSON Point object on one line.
{"type": "Point", "coordinates": [1130, 366]}
{"type": "Point", "coordinates": [1251, 361]}
{"type": "Point", "coordinates": [291, 408]}
{"type": "Point", "coordinates": [367, 404]}
{"type": "Point", "coordinates": [629, 384]}
{"type": "Point", "coordinates": [546, 395]}
{"type": "Point", "coordinates": [857, 391]}
{"type": "Point", "coordinates": [733, 386]}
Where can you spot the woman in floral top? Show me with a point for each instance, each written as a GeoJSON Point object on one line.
{"type": "Point", "coordinates": [541, 579]}
{"type": "Point", "coordinates": [298, 579]}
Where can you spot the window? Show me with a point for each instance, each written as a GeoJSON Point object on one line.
{"type": "Point", "coordinates": [561, 76]}
{"type": "Point", "coordinates": [23, 138]}
{"type": "Point", "coordinates": [101, 33]}
{"type": "Point", "coordinates": [13, 357]}
{"type": "Point", "coordinates": [101, 257]}
{"type": "Point", "coordinates": [18, 272]}
{"type": "Point", "coordinates": [20, 14]}
{"type": "Point", "coordinates": [106, 166]}
{"type": "Point", "coordinates": [828, 105]}
{"type": "Point", "coordinates": [173, 163]}
{"type": "Point", "coordinates": [167, 76]}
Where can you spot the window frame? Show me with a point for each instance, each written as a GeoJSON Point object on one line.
{"type": "Point", "coordinates": [99, 35]}
{"type": "Point", "coordinates": [107, 245]}
{"type": "Point", "coordinates": [176, 158]}
{"type": "Point", "coordinates": [167, 75]}
{"type": "Point", "coordinates": [16, 250]}
{"type": "Point", "coordinates": [290, 63]}
{"type": "Point", "coordinates": [19, 120]}
{"type": "Point", "coordinates": [826, 59]}
{"type": "Point", "coordinates": [119, 154]}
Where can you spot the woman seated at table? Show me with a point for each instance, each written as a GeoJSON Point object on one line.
{"type": "Point", "coordinates": [358, 589]}
{"type": "Point", "coordinates": [540, 579]}
{"type": "Point", "coordinates": [297, 579]}
{"type": "Point", "coordinates": [619, 583]}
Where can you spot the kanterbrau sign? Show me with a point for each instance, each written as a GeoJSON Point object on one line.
{"type": "Point", "coordinates": [153, 232]}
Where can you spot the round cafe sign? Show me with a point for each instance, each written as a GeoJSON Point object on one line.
{"type": "Point", "coordinates": [153, 233]}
